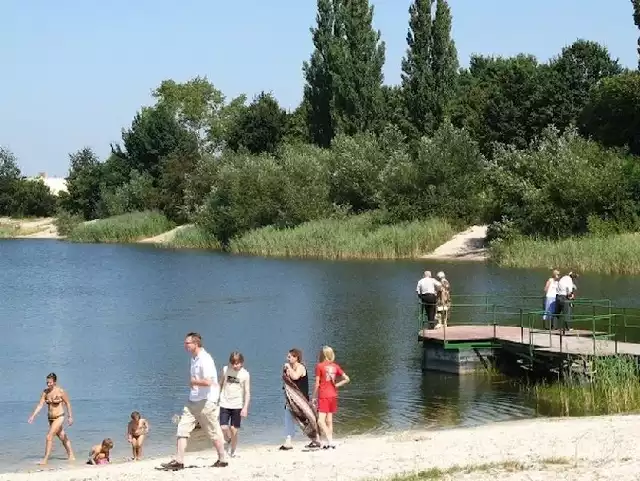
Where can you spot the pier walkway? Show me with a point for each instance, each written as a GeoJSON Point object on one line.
{"type": "Point", "coordinates": [482, 327]}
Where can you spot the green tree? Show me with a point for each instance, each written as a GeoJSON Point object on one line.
{"type": "Point", "coordinates": [429, 69]}
{"type": "Point", "coordinates": [84, 184]}
{"type": "Point", "coordinates": [571, 76]}
{"type": "Point", "coordinates": [9, 176]}
{"type": "Point", "coordinates": [612, 115]}
{"type": "Point", "coordinates": [260, 128]}
{"type": "Point", "coordinates": [636, 20]}
{"type": "Point", "coordinates": [357, 69]}
{"type": "Point", "coordinates": [318, 89]}
{"type": "Point", "coordinates": [200, 108]}
{"type": "Point", "coordinates": [32, 198]}
{"type": "Point", "coordinates": [499, 100]}
{"type": "Point", "coordinates": [154, 134]}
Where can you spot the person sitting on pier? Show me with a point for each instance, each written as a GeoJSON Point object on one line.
{"type": "Point", "coordinates": [427, 289]}
{"type": "Point", "coordinates": [565, 294]}
{"type": "Point", "coordinates": [444, 301]}
{"type": "Point", "coordinates": [549, 303]}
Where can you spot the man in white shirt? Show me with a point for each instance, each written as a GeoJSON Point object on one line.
{"type": "Point", "coordinates": [202, 406]}
{"type": "Point", "coordinates": [427, 290]}
{"type": "Point", "coordinates": [565, 294]}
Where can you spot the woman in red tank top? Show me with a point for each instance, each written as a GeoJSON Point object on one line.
{"type": "Point", "coordinates": [329, 377]}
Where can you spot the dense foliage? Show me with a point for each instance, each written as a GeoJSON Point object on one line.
{"type": "Point", "coordinates": [545, 149]}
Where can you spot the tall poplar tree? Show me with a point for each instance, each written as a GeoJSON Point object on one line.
{"type": "Point", "coordinates": [359, 59]}
{"type": "Point", "coordinates": [429, 69]}
{"type": "Point", "coordinates": [318, 90]}
{"type": "Point", "coordinates": [636, 20]}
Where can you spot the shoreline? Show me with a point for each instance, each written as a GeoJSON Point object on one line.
{"type": "Point", "coordinates": [599, 447]}
{"type": "Point", "coordinates": [466, 245]}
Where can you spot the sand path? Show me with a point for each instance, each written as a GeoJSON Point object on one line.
{"type": "Point", "coordinates": [602, 448]}
{"type": "Point", "coordinates": [165, 236]}
{"type": "Point", "coordinates": [466, 245]}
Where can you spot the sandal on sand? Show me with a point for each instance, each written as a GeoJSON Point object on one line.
{"type": "Point", "coordinates": [313, 444]}
{"type": "Point", "coordinates": [285, 448]}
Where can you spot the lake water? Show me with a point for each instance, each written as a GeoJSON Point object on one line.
{"type": "Point", "coordinates": [110, 320]}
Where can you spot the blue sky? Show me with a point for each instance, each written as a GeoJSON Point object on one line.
{"type": "Point", "coordinates": [75, 72]}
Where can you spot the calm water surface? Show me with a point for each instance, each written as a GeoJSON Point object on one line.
{"type": "Point", "coordinates": [110, 321]}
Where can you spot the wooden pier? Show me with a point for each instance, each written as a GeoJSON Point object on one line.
{"type": "Point", "coordinates": [482, 332]}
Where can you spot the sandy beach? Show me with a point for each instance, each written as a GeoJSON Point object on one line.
{"type": "Point", "coordinates": [594, 448]}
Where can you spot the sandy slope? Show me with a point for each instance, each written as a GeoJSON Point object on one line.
{"type": "Point", "coordinates": [467, 245]}
{"type": "Point", "coordinates": [602, 448]}
{"type": "Point", "coordinates": [33, 229]}
{"type": "Point", "coordinates": [164, 237]}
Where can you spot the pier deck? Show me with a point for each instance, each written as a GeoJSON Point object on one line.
{"type": "Point", "coordinates": [576, 342]}
{"type": "Point", "coordinates": [512, 328]}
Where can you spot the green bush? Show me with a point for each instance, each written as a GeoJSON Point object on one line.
{"type": "Point", "coordinates": [256, 191]}
{"type": "Point", "coordinates": [66, 222]}
{"type": "Point", "coordinates": [560, 185]}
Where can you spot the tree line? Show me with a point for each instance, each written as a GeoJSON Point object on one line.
{"type": "Point", "coordinates": [535, 148]}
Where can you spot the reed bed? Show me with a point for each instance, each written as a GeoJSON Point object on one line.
{"type": "Point", "coordinates": [355, 237]}
{"type": "Point", "coordinates": [123, 228]}
{"type": "Point", "coordinates": [613, 388]}
{"type": "Point", "coordinates": [193, 237]}
{"type": "Point", "coordinates": [614, 254]}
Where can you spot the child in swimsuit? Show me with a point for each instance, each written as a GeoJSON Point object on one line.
{"type": "Point", "coordinates": [137, 430]}
{"type": "Point", "coordinates": [100, 452]}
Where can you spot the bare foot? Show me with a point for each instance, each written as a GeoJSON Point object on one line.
{"type": "Point", "coordinates": [72, 458]}
{"type": "Point", "coordinates": [42, 463]}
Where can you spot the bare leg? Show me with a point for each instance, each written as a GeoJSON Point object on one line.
{"type": "Point", "coordinates": [234, 439]}
{"type": "Point", "coordinates": [54, 427]}
{"type": "Point", "coordinates": [329, 423]}
{"type": "Point", "coordinates": [322, 424]}
{"type": "Point", "coordinates": [66, 443]}
{"type": "Point", "coordinates": [226, 433]}
{"type": "Point", "coordinates": [139, 442]}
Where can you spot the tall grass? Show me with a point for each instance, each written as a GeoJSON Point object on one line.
{"type": "Point", "coordinates": [354, 237]}
{"type": "Point", "coordinates": [122, 228]}
{"type": "Point", "coordinates": [193, 237]}
{"type": "Point", "coordinates": [613, 387]}
{"type": "Point", "coordinates": [614, 254]}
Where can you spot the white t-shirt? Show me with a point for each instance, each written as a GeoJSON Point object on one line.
{"type": "Point", "coordinates": [553, 289]}
{"type": "Point", "coordinates": [203, 367]}
{"type": "Point", "coordinates": [566, 286]}
{"type": "Point", "coordinates": [427, 285]}
{"type": "Point", "coordinates": [232, 395]}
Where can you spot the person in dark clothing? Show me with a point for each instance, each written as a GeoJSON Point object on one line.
{"type": "Point", "coordinates": [427, 290]}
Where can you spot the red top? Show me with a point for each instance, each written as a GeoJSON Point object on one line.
{"type": "Point", "coordinates": [327, 372]}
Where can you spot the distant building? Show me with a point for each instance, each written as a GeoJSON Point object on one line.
{"type": "Point", "coordinates": [56, 184]}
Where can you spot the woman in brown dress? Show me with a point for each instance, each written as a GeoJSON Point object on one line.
{"type": "Point", "coordinates": [55, 398]}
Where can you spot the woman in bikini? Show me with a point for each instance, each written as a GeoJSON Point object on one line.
{"type": "Point", "coordinates": [56, 398]}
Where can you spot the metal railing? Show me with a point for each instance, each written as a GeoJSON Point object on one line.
{"type": "Point", "coordinates": [596, 319]}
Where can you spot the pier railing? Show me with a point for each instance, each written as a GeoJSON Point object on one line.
{"type": "Point", "coordinates": [596, 319]}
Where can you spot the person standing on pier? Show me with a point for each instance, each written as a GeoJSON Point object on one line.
{"type": "Point", "coordinates": [427, 290]}
{"type": "Point", "coordinates": [550, 294]}
{"type": "Point", "coordinates": [444, 300]}
{"type": "Point", "coordinates": [565, 294]}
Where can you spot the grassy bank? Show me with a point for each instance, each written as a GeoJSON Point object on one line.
{"type": "Point", "coordinates": [614, 388]}
{"type": "Point", "coordinates": [193, 237]}
{"type": "Point", "coordinates": [356, 237]}
{"type": "Point", "coordinates": [615, 254]}
{"type": "Point", "coordinates": [122, 228]}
